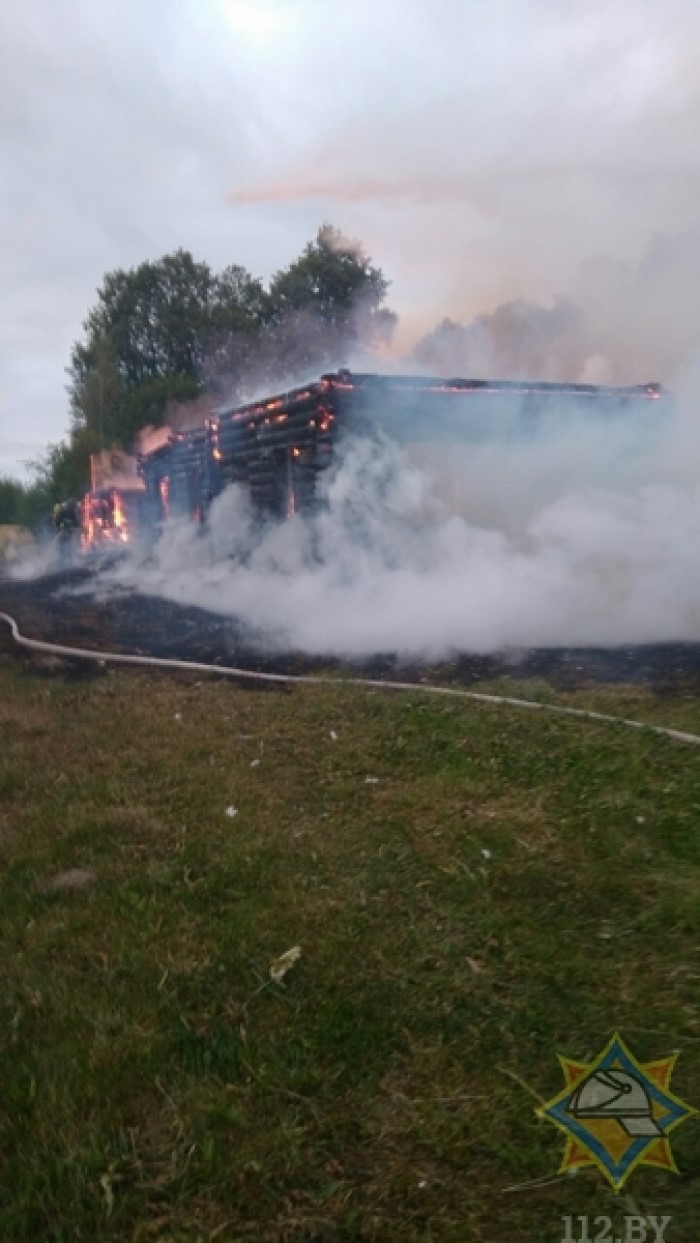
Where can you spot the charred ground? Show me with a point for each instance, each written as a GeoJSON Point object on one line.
{"type": "Point", "coordinates": [64, 608]}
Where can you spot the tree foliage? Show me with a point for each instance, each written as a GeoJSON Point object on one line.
{"type": "Point", "coordinates": [172, 330]}
{"type": "Point", "coordinates": [65, 468]}
{"type": "Point", "coordinates": [24, 504]}
{"type": "Point", "coordinates": [334, 280]}
{"type": "Point", "coordinates": [326, 306]}
{"type": "Point", "coordinates": [146, 340]}
{"type": "Point", "coordinates": [12, 501]}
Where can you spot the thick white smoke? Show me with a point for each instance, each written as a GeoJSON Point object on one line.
{"type": "Point", "coordinates": [616, 323]}
{"type": "Point", "coordinates": [585, 534]}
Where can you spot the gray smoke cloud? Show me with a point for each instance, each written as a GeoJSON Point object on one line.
{"type": "Point", "coordinates": [620, 323]}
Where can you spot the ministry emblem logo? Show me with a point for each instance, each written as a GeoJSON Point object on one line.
{"type": "Point", "coordinates": [617, 1113]}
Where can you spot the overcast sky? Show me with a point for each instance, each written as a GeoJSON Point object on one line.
{"type": "Point", "coordinates": [481, 150]}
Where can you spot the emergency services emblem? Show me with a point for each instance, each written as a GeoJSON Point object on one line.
{"type": "Point", "coordinates": [617, 1113]}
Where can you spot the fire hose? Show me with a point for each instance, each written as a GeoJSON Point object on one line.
{"type": "Point", "coordinates": [229, 671]}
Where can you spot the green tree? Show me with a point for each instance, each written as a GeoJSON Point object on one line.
{"type": "Point", "coordinates": [64, 470]}
{"type": "Point", "coordinates": [327, 305]}
{"type": "Point", "coordinates": [149, 337]}
{"type": "Point", "coordinates": [36, 508]}
{"type": "Point", "coordinates": [98, 390]}
{"type": "Point", "coordinates": [25, 504]}
{"type": "Point", "coordinates": [169, 331]}
{"type": "Point", "coordinates": [234, 333]}
{"type": "Point", "coordinates": [12, 495]}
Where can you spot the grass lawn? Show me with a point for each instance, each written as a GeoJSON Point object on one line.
{"type": "Point", "coordinates": [473, 889]}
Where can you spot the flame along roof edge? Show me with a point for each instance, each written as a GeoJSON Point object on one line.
{"type": "Point", "coordinates": [347, 380]}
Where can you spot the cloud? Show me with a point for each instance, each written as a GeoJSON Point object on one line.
{"type": "Point", "coordinates": [492, 151]}
{"type": "Point", "coordinates": [117, 138]}
{"type": "Point", "coordinates": [482, 153]}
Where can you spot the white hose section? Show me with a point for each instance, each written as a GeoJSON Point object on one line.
{"type": "Point", "coordinates": [229, 671]}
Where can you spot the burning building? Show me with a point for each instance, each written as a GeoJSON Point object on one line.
{"type": "Point", "coordinates": [111, 517]}
{"type": "Point", "coordinates": [277, 447]}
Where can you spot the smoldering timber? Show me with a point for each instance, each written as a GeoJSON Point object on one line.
{"type": "Point", "coordinates": [277, 447]}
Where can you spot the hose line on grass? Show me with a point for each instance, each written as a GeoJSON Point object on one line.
{"type": "Point", "coordinates": [229, 671]}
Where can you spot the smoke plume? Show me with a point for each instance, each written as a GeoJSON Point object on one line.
{"type": "Point", "coordinates": [618, 324]}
